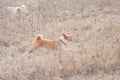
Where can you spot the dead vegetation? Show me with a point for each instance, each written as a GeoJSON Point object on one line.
{"type": "Point", "coordinates": [95, 26]}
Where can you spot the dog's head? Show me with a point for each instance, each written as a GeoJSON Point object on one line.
{"type": "Point", "coordinates": [67, 37]}
{"type": "Point", "coordinates": [36, 43]}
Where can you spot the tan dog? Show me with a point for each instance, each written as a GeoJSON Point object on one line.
{"type": "Point", "coordinates": [50, 44]}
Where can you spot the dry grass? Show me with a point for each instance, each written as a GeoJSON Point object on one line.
{"type": "Point", "coordinates": [95, 26]}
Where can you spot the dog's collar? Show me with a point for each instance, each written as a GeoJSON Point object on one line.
{"type": "Point", "coordinates": [62, 39]}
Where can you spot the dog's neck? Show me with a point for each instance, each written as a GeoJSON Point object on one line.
{"type": "Point", "coordinates": [62, 39]}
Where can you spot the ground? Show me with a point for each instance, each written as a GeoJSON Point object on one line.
{"type": "Point", "coordinates": [94, 25]}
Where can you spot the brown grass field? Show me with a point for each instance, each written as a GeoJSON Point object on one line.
{"type": "Point", "coordinates": [94, 25]}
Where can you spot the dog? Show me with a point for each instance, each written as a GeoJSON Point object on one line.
{"type": "Point", "coordinates": [15, 10]}
{"type": "Point", "coordinates": [50, 44]}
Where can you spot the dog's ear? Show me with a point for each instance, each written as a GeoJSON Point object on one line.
{"type": "Point", "coordinates": [39, 37]}
{"type": "Point", "coordinates": [63, 34]}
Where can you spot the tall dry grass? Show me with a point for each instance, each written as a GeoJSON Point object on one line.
{"type": "Point", "coordinates": [96, 45]}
